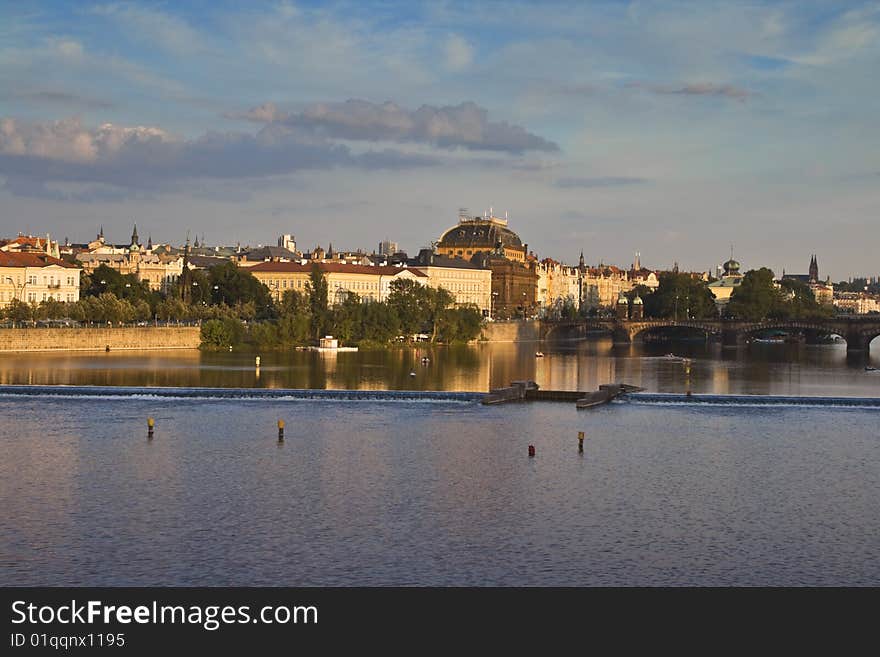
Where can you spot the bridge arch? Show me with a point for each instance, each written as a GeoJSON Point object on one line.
{"type": "Point", "coordinates": [639, 332]}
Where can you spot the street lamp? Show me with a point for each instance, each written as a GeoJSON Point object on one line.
{"type": "Point", "coordinates": [492, 303]}
{"type": "Point", "coordinates": [524, 305]}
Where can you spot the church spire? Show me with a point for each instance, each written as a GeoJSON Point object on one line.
{"type": "Point", "coordinates": [134, 235]}
{"type": "Point", "coordinates": [581, 259]}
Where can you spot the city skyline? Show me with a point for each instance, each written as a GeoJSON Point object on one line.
{"type": "Point", "coordinates": [613, 127]}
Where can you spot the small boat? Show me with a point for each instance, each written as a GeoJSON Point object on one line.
{"type": "Point", "coordinates": [868, 368]}
{"type": "Point", "coordinates": [412, 373]}
{"type": "Point", "coordinates": [539, 354]}
{"type": "Point", "coordinates": [425, 360]}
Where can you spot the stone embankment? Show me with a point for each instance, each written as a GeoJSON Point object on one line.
{"type": "Point", "coordinates": [511, 331]}
{"type": "Point", "coordinates": [99, 339]}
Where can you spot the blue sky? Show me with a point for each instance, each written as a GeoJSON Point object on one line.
{"type": "Point", "coordinates": [670, 128]}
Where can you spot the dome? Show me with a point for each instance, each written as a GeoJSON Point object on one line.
{"type": "Point", "coordinates": [622, 299]}
{"type": "Point", "coordinates": [731, 267]}
{"type": "Point", "coordinates": [481, 233]}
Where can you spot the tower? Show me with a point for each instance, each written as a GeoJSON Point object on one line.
{"type": "Point", "coordinates": [581, 260]}
{"type": "Point", "coordinates": [134, 236]}
{"type": "Point", "coordinates": [814, 270]}
{"type": "Point", "coordinates": [637, 265]}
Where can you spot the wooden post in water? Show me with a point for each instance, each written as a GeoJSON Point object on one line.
{"type": "Point", "coordinates": [280, 431]}
{"type": "Point", "coordinates": [580, 442]}
{"type": "Point", "coordinates": [150, 424]}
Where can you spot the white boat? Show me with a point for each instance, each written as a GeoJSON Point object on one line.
{"type": "Point", "coordinates": [539, 354]}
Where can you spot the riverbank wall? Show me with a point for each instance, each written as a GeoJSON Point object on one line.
{"type": "Point", "coordinates": [511, 331]}
{"type": "Point", "coordinates": [99, 339]}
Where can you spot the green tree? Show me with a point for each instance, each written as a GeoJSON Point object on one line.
{"type": "Point", "coordinates": [233, 285]}
{"type": "Point", "coordinates": [679, 296]}
{"type": "Point", "coordinates": [756, 298]}
{"type": "Point", "coordinates": [19, 311]}
{"type": "Point", "coordinates": [105, 279]}
{"type": "Point", "coordinates": [221, 333]}
{"type": "Point", "coordinates": [460, 324]}
{"type": "Point", "coordinates": [437, 301]}
{"type": "Point", "coordinates": [409, 301]}
{"type": "Point", "coordinates": [799, 302]}
{"type": "Point", "coordinates": [317, 289]}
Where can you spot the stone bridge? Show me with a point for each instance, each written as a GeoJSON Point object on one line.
{"type": "Point", "coordinates": [858, 331]}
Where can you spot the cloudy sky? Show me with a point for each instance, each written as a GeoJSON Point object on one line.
{"type": "Point", "coordinates": [671, 128]}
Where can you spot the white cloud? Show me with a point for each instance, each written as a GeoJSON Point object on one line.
{"type": "Point", "coordinates": [459, 53]}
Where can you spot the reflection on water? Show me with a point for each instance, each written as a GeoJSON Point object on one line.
{"type": "Point", "coordinates": [366, 493]}
{"type": "Point", "coordinates": [786, 369]}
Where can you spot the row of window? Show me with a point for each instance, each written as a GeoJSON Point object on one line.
{"type": "Point", "coordinates": [32, 297]}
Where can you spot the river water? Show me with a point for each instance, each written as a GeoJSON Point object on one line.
{"type": "Point", "coordinates": [435, 488]}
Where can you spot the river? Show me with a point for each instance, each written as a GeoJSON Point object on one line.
{"type": "Point", "coordinates": [437, 489]}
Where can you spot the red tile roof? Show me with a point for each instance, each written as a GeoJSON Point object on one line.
{"type": "Point", "coordinates": [25, 259]}
{"type": "Point", "coordinates": [333, 268]}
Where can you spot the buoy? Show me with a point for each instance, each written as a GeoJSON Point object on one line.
{"type": "Point", "coordinates": [280, 431]}
{"type": "Point", "coordinates": [531, 450]}
{"type": "Point", "coordinates": [581, 442]}
{"type": "Point", "coordinates": [150, 424]}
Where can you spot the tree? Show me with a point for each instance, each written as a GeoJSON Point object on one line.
{"type": "Point", "coordinates": [106, 279]}
{"type": "Point", "coordinates": [437, 300]}
{"type": "Point", "coordinates": [679, 296]}
{"type": "Point", "coordinates": [317, 288]}
{"type": "Point", "coordinates": [409, 302]}
{"type": "Point", "coordinates": [229, 284]}
{"type": "Point", "coordinates": [19, 311]}
{"type": "Point", "coordinates": [756, 298]}
{"type": "Point", "coordinates": [221, 333]}
{"type": "Point", "coordinates": [797, 301]}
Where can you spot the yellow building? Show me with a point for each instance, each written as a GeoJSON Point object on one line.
{"type": "Point", "coordinates": [726, 283]}
{"type": "Point", "coordinates": [370, 283]}
{"type": "Point", "coordinates": [36, 277]}
{"type": "Point", "coordinates": [468, 282]}
{"type": "Point", "coordinates": [157, 270]}
{"type": "Point", "coordinates": [603, 285]}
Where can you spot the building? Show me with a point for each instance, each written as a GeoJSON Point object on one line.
{"type": "Point", "coordinates": [602, 286]}
{"type": "Point", "coordinates": [260, 254]}
{"type": "Point", "coordinates": [287, 242]}
{"type": "Point", "coordinates": [487, 235]}
{"type": "Point", "coordinates": [469, 282]}
{"type": "Point", "coordinates": [157, 270]}
{"type": "Point", "coordinates": [558, 287]}
{"type": "Point", "coordinates": [36, 277]}
{"type": "Point", "coordinates": [639, 275]}
{"type": "Point", "coordinates": [488, 242]}
{"type": "Point", "coordinates": [822, 291]}
{"type": "Point", "coordinates": [388, 248]}
{"type": "Point", "coordinates": [29, 243]}
{"type": "Point", "coordinates": [730, 279]}
{"type": "Point", "coordinates": [370, 283]}
{"type": "Point", "coordinates": [857, 303]}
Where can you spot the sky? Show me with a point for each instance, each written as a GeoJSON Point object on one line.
{"type": "Point", "coordinates": [680, 130]}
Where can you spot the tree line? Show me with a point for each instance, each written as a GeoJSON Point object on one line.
{"type": "Point", "coordinates": [758, 297]}
{"type": "Point", "coordinates": [303, 318]}
{"type": "Point", "coordinates": [236, 308]}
